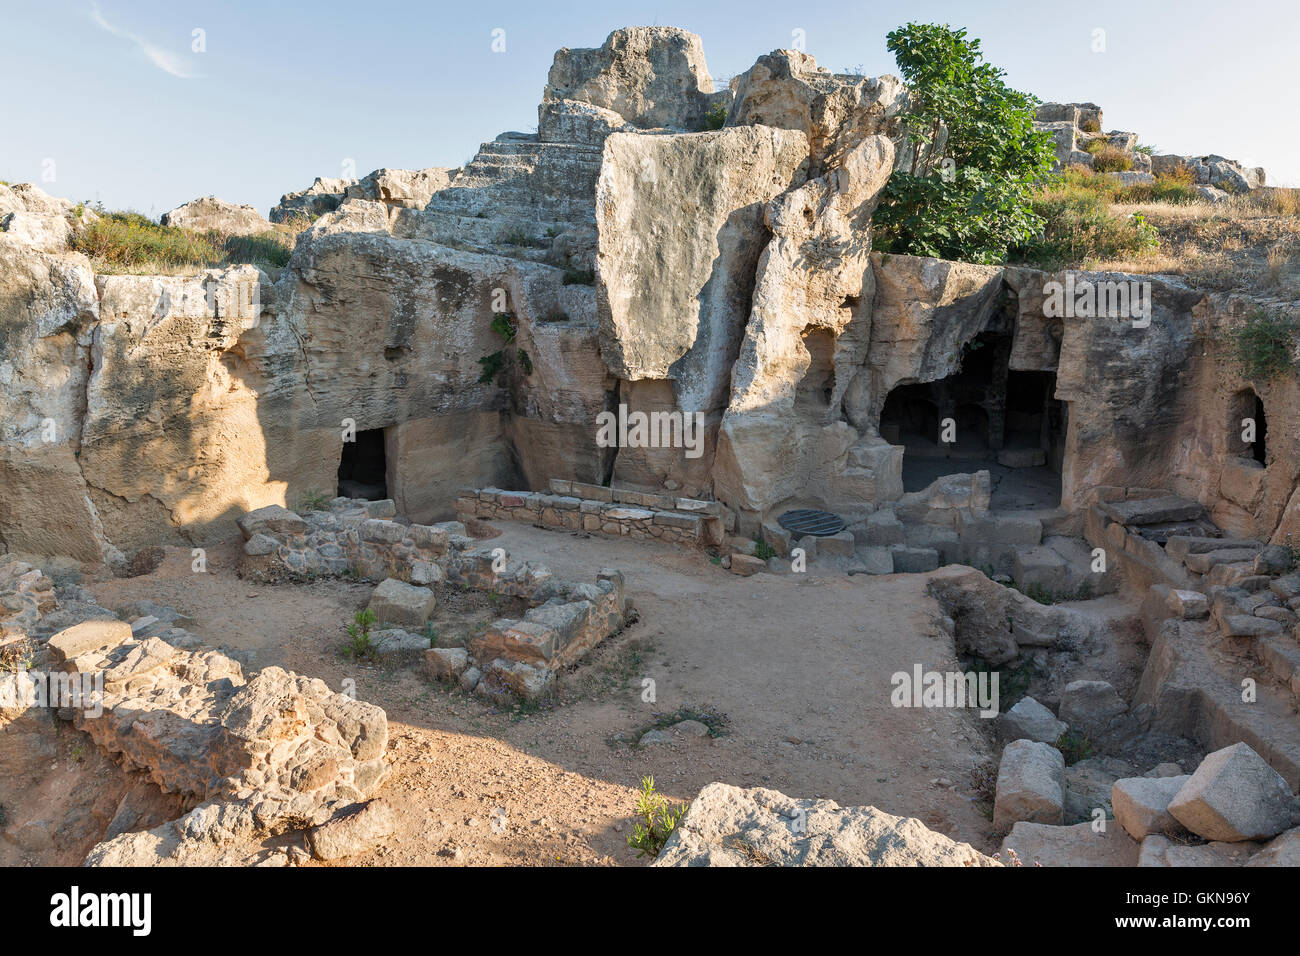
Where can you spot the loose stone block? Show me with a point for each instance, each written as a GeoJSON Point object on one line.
{"type": "Point", "coordinates": [1234, 795]}
{"type": "Point", "coordinates": [88, 636]}
{"type": "Point", "coordinates": [396, 602]}
{"type": "Point", "coordinates": [1141, 804]}
{"type": "Point", "coordinates": [1031, 784]}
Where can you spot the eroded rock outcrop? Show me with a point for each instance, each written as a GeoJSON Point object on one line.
{"type": "Point", "coordinates": [733, 826]}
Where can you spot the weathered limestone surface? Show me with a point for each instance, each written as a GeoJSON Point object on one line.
{"type": "Point", "coordinates": [650, 76]}
{"type": "Point", "coordinates": [733, 826]}
{"type": "Point", "coordinates": [212, 214]}
{"type": "Point", "coordinates": [788, 90]}
{"type": "Point", "coordinates": [1031, 784]}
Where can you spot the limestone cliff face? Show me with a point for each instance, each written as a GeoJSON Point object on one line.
{"type": "Point", "coordinates": [479, 320]}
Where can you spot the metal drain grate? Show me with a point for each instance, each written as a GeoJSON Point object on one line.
{"type": "Point", "coordinates": [823, 524]}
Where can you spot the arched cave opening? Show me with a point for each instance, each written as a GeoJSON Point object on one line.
{"type": "Point", "coordinates": [363, 467]}
{"type": "Point", "coordinates": [1246, 411]}
{"type": "Point", "coordinates": [985, 416]}
{"type": "Point", "coordinates": [1259, 450]}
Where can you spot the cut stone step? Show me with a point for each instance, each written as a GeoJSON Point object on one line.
{"type": "Point", "coordinates": [1201, 563]}
{"type": "Point", "coordinates": [1180, 546]}
{"type": "Point", "coordinates": [1143, 511]}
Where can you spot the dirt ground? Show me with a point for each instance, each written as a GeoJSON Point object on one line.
{"type": "Point", "coordinates": [799, 666]}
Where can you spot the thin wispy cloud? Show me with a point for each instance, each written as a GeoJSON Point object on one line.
{"type": "Point", "coordinates": [165, 61]}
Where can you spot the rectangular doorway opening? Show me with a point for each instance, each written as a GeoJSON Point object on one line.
{"type": "Point", "coordinates": [363, 467]}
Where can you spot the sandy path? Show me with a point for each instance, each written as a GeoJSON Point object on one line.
{"type": "Point", "coordinates": [799, 665]}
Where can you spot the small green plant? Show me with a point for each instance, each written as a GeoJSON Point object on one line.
{"type": "Point", "coordinates": [503, 324]}
{"type": "Point", "coordinates": [525, 362]}
{"type": "Point", "coordinates": [78, 752]}
{"type": "Point", "coordinates": [312, 500]}
{"type": "Point", "coordinates": [491, 365]}
{"type": "Point", "coordinates": [1262, 345]}
{"type": "Point", "coordinates": [579, 276]}
{"type": "Point", "coordinates": [763, 550]}
{"type": "Point", "coordinates": [431, 633]}
{"type": "Point", "coordinates": [658, 818]}
{"type": "Point", "coordinates": [716, 116]}
{"type": "Point", "coordinates": [359, 643]}
{"type": "Point", "coordinates": [1074, 746]}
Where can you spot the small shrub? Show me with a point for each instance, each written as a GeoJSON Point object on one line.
{"type": "Point", "coordinates": [359, 644]}
{"type": "Point", "coordinates": [1079, 225]}
{"type": "Point", "coordinates": [503, 324]}
{"type": "Point", "coordinates": [269, 248]}
{"type": "Point", "coordinates": [716, 116]}
{"type": "Point", "coordinates": [1095, 146]}
{"type": "Point", "coordinates": [763, 550]}
{"type": "Point", "coordinates": [1262, 344]}
{"type": "Point", "coordinates": [658, 818]}
{"type": "Point", "coordinates": [1112, 159]}
{"type": "Point", "coordinates": [1075, 746]}
{"type": "Point", "coordinates": [525, 362]}
{"type": "Point", "coordinates": [491, 365]}
{"type": "Point", "coordinates": [313, 500]}
{"type": "Point", "coordinates": [1090, 126]}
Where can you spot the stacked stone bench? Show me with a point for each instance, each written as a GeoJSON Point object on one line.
{"type": "Point", "coordinates": [617, 512]}
{"type": "Point", "coordinates": [521, 658]}
{"type": "Point", "coordinates": [350, 536]}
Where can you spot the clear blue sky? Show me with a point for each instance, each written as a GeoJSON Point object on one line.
{"type": "Point", "coordinates": [113, 94]}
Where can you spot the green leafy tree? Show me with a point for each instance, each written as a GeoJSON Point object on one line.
{"type": "Point", "coordinates": [965, 191]}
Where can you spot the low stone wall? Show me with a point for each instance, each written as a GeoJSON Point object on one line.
{"type": "Point", "coordinates": [350, 536]}
{"type": "Point", "coordinates": [522, 657]}
{"type": "Point", "coordinates": [519, 658]}
{"type": "Point", "coordinates": [577, 506]}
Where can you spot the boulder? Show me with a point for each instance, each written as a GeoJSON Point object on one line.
{"type": "Point", "coordinates": [445, 663]}
{"type": "Point", "coordinates": [322, 196]}
{"type": "Point", "coordinates": [1159, 850]}
{"type": "Point", "coordinates": [1283, 850]}
{"type": "Point", "coordinates": [1031, 784]}
{"type": "Point", "coordinates": [88, 636]}
{"type": "Point", "coordinates": [1090, 705]}
{"type": "Point", "coordinates": [652, 77]}
{"type": "Point", "coordinates": [1234, 795]}
{"type": "Point", "coordinates": [217, 215]}
{"type": "Point", "coordinates": [271, 520]}
{"type": "Point", "coordinates": [1030, 720]}
{"type": "Point", "coordinates": [355, 830]}
{"type": "Point", "coordinates": [396, 602]}
{"type": "Point", "coordinates": [1079, 845]}
{"type": "Point", "coordinates": [734, 826]}
{"type": "Point", "coordinates": [1141, 804]}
